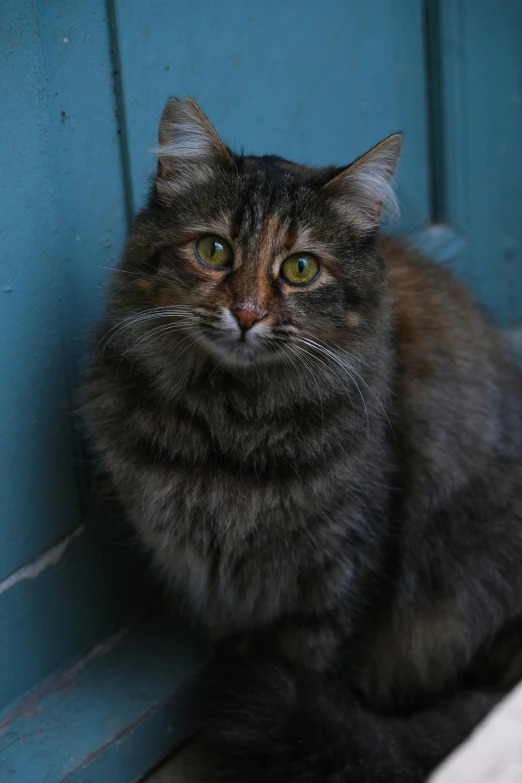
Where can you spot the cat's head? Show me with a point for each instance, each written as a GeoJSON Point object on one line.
{"type": "Point", "coordinates": [250, 259]}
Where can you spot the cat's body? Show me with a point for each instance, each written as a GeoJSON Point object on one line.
{"type": "Point", "coordinates": [352, 503]}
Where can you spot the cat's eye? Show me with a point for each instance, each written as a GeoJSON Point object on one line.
{"type": "Point", "coordinates": [299, 269]}
{"type": "Point", "coordinates": [214, 251]}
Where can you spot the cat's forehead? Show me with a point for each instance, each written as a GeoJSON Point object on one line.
{"type": "Point", "coordinates": [276, 190]}
{"type": "Point", "coordinates": [283, 172]}
{"type": "Point", "coordinates": [272, 202]}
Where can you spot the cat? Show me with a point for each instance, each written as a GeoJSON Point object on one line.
{"type": "Point", "coordinates": [317, 434]}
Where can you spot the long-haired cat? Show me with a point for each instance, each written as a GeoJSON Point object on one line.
{"type": "Point", "coordinates": [318, 436]}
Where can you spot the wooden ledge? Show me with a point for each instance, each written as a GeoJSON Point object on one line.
{"type": "Point", "coordinates": [111, 717]}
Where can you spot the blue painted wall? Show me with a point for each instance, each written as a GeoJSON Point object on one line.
{"type": "Point", "coordinates": [481, 121]}
{"type": "Point", "coordinates": [35, 386]}
{"type": "Point", "coordinates": [62, 217]}
{"type": "Point", "coordinates": [317, 82]}
{"type": "Point", "coordinates": [82, 85]}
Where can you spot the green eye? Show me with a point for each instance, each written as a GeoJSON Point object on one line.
{"type": "Point", "coordinates": [214, 251]}
{"type": "Point", "coordinates": [299, 268]}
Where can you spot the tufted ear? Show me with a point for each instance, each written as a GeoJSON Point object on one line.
{"type": "Point", "coordinates": [187, 140]}
{"type": "Point", "coordinates": [363, 189]}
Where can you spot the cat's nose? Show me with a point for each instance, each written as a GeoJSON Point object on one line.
{"type": "Point", "coordinates": [248, 316]}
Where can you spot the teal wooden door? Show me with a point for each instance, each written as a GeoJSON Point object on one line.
{"type": "Point", "coordinates": [82, 86]}
{"type": "Point", "coordinates": [322, 82]}
{"type": "Point", "coordinates": [316, 82]}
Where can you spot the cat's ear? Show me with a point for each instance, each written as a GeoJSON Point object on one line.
{"type": "Point", "coordinates": [187, 141]}
{"type": "Point", "coordinates": [363, 190]}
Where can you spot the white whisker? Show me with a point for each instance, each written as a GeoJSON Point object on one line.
{"type": "Point", "coordinates": [372, 392]}
{"type": "Point", "coordinates": [350, 369]}
{"type": "Point", "coordinates": [155, 333]}
{"type": "Point", "coordinates": [151, 314]}
{"type": "Point", "coordinates": [328, 354]}
{"type": "Point", "coordinates": [301, 355]}
{"type": "Point", "coordinates": [132, 272]}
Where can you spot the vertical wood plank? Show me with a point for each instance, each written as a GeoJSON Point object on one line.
{"type": "Point", "coordinates": [482, 103]}
{"type": "Point", "coordinates": [317, 82]}
{"type": "Point", "coordinates": [63, 208]}
{"type": "Point", "coordinates": [85, 137]}
{"type": "Point", "coordinates": [37, 479]}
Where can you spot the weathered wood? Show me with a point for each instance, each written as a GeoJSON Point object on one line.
{"type": "Point", "coordinates": [278, 93]}
{"type": "Point", "coordinates": [111, 717]}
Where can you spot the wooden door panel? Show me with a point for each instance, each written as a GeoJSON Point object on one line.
{"type": "Point", "coordinates": [317, 82]}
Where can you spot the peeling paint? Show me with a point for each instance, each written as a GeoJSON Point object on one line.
{"type": "Point", "coordinates": [49, 558]}
{"type": "Point", "coordinates": [123, 708]}
{"type": "Point", "coordinates": [31, 705]}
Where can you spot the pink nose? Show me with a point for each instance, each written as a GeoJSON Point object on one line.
{"type": "Point", "coordinates": [247, 317]}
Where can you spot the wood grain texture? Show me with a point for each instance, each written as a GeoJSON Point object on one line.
{"type": "Point", "coordinates": [109, 718]}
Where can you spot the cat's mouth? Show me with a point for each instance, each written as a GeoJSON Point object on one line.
{"type": "Point", "coordinates": [246, 347]}
{"type": "Point", "coordinates": [229, 343]}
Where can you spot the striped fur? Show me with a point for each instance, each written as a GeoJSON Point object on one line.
{"type": "Point", "coordinates": [339, 487]}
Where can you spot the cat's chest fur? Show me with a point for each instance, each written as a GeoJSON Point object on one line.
{"type": "Point", "coordinates": [253, 513]}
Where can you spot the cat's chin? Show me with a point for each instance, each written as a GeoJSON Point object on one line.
{"type": "Point", "coordinates": [239, 353]}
